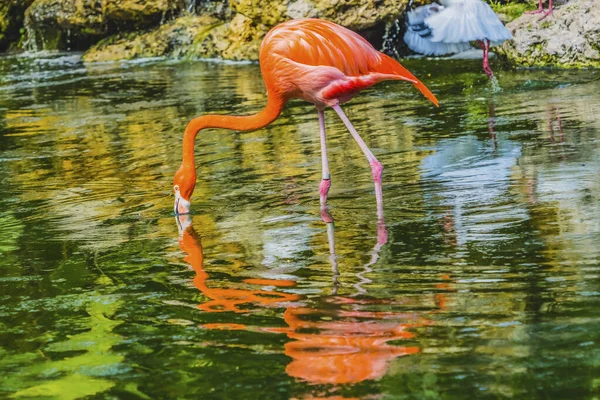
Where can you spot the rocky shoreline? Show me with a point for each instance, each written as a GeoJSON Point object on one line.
{"type": "Point", "coordinates": [570, 38]}
{"type": "Point", "coordinates": [125, 29]}
{"type": "Point", "coordinates": [108, 30]}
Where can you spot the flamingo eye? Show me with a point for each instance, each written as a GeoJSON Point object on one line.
{"type": "Point", "coordinates": [176, 188]}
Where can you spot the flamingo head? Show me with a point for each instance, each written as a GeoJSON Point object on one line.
{"type": "Point", "coordinates": [183, 187]}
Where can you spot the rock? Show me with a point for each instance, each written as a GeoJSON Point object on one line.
{"type": "Point", "coordinates": [12, 14]}
{"type": "Point", "coordinates": [76, 24]}
{"type": "Point", "coordinates": [141, 12]}
{"type": "Point", "coordinates": [570, 38]}
{"type": "Point", "coordinates": [255, 18]}
{"type": "Point", "coordinates": [240, 40]}
{"type": "Point", "coordinates": [184, 36]}
{"type": "Point", "coordinates": [354, 14]}
{"type": "Point", "coordinates": [240, 37]}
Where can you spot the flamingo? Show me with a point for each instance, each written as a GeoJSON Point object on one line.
{"type": "Point", "coordinates": [540, 9]}
{"type": "Point", "coordinates": [314, 60]}
{"type": "Point", "coordinates": [436, 29]}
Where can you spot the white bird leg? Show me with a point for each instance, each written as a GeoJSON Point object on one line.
{"type": "Point", "coordinates": [485, 45]}
{"type": "Point", "coordinates": [376, 170]}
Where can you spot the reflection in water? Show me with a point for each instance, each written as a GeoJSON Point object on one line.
{"type": "Point", "coordinates": [226, 299]}
{"type": "Point", "coordinates": [344, 344]}
{"type": "Point", "coordinates": [492, 122]}
{"type": "Point", "coordinates": [338, 341]}
{"type": "Point", "coordinates": [469, 182]}
{"type": "Point", "coordinates": [555, 120]}
{"type": "Point", "coordinates": [488, 277]}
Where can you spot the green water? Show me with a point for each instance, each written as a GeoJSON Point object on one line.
{"type": "Point", "coordinates": [488, 286]}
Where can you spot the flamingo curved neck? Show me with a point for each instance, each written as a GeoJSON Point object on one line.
{"type": "Point", "coordinates": [239, 123]}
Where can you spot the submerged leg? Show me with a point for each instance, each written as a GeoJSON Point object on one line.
{"type": "Point", "coordinates": [325, 177]}
{"type": "Point", "coordinates": [328, 219]}
{"type": "Point", "coordinates": [376, 167]}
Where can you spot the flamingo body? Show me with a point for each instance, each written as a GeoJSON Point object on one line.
{"type": "Point", "coordinates": [325, 63]}
{"type": "Point", "coordinates": [310, 59]}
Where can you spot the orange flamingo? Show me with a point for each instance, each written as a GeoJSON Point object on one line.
{"type": "Point", "coordinates": [314, 60]}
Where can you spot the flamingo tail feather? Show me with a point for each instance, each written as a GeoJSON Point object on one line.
{"type": "Point", "coordinates": [391, 66]}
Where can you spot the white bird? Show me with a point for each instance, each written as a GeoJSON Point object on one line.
{"type": "Point", "coordinates": [448, 28]}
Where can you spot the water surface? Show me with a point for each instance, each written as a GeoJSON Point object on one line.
{"type": "Point", "coordinates": [488, 285]}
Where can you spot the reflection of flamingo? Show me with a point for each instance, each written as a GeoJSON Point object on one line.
{"type": "Point", "coordinates": [382, 237]}
{"type": "Point", "coordinates": [341, 343]}
{"type": "Point", "coordinates": [314, 60]}
{"type": "Point", "coordinates": [346, 342]}
{"type": "Point", "coordinates": [226, 299]}
{"type": "Point", "coordinates": [352, 347]}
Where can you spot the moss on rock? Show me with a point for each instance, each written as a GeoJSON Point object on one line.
{"type": "Point", "coordinates": [568, 39]}
{"type": "Point", "coordinates": [182, 37]}
{"type": "Point", "coordinates": [83, 22]}
{"type": "Point", "coordinates": [12, 14]}
{"type": "Point", "coordinates": [240, 36]}
{"type": "Point", "coordinates": [254, 18]}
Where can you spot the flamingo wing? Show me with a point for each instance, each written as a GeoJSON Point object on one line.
{"type": "Point", "coordinates": [319, 43]}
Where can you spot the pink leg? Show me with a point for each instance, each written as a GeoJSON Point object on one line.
{"type": "Point", "coordinates": [486, 61]}
{"type": "Point", "coordinates": [376, 170]}
{"type": "Point", "coordinates": [325, 177]}
{"type": "Point", "coordinates": [547, 12]}
{"type": "Point", "coordinates": [539, 10]}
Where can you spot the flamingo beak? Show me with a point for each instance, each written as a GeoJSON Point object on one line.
{"type": "Point", "coordinates": [182, 206]}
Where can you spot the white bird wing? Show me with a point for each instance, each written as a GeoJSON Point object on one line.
{"type": "Point", "coordinates": [418, 34]}
{"type": "Point", "coordinates": [425, 46]}
{"type": "Point", "coordinates": [466, 21]}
